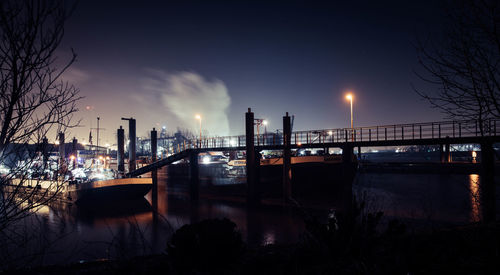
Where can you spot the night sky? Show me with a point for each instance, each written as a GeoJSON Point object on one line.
{"type": "Point", "coordinates": [163, 62]}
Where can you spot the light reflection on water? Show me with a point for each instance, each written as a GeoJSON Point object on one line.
{"type": "Point", "coordinates": [121, 231]}
{"type": "Point", "coordinates": [475, 215]}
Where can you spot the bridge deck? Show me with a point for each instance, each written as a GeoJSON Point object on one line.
{"type": "Point", "coordinates": [432, 133]}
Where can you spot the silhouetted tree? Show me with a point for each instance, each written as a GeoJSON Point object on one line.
{"type": "Point", "coordinates": [465, 64]}
{"type": "Point", "coordinates": [33, 97]}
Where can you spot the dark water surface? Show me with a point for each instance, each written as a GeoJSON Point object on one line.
{"type": "Point", "coordinates": [62, 234]}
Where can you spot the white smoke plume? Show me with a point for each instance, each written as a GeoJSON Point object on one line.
{"type": "Point", "coordinates": [187, 94]}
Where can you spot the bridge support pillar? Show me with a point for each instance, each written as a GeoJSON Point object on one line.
{"type": "Point", "coordinates": [194, 181]}
{"type": "Point", "coordinates": [120, 134]}
{"type": "Point", "coordinates": [487, 181]}
{"type": "Point", "coordinates": [287, 167]}
{"type": "Point", "coordinates": [252, 192]}
{"type": "Point", "coordinates": [347, 177]}
{"type": "Point", "coordinates": [154, 173]}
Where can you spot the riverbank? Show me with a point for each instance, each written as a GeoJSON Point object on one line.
{"type": "Point", "coordinates": [336, 247]}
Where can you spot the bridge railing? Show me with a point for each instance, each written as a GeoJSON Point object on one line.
{"type": "Point", "coordinates": [430, 130]}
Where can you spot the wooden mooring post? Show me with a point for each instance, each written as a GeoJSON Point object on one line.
{"type": "Point", "coordinates": [154, 173]}
{"type": "Point", "coordinates": [120, 135]}
{"type": "Point", "coordinates": [287, 167]}
{"type": "Point", "coordinates": [252, 181]}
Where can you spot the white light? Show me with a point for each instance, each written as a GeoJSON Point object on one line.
{"type": "Point", "coordinates": [330, 133]}
{"type": "Point", "coordinates": [206, 159]}
{"type": "Point", "coordinates": [232, 142]}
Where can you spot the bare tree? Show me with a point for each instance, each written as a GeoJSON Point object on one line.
{"type": "Point", "coordinates": [34, 99]}
{"type": "Point", "coordinates": [465, 64]}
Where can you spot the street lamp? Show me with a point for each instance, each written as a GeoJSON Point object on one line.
{"type": "Point", "coordinates": [199, 118]}
{"type": "Point", "coordinates": [350, 98]}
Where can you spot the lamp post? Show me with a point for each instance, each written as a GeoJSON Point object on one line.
{"type": "Point", "coordinates": [350, 98]}
{"type": "Point", "coordinates": [199, 118]}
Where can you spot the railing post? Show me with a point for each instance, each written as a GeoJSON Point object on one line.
{"type": "Point", "coordinates": [432, 125]}
{"type": "Point", "coordinates": [394, 132]}
{"type": "Point", "coordinates": [439, 130]}
{"type": "Point", "coordinates": [361, 134]}
{"type": "Point", "coordinates": [413, 131]}
{"type": "Point", "coordinates": [402, 133]}
{"type": "Point", "coordinates": [369, 134]}
{"type": "Point", "coordinates": [346, 135]}
{"type": "Point", "coordinates": [354, 134]}
{"type": "Point", "coordinates": [385, 133]}
{"type": "Point", "coordinates": [377, 133]}
{"type": "Point", "coordinates": [459, 129]}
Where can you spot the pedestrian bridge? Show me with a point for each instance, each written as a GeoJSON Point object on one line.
{"type": "Point", "coordinates": [431, 133]}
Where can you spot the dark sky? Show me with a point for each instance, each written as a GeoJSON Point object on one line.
{"type": "Point", "coordinates": [162, 62]}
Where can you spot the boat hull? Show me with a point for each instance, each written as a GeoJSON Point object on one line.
{"type": "Point", "coordinates": [114, 189]}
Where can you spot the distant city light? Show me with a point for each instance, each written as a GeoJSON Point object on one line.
{"type": "Point", "coordinates": [330, 133]}
{"type": "Point", "coordinates": [233, 142]}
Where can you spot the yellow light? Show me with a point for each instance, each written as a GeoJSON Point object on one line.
{"type": "Point", "coordinates": [330, 133]}
{"type": "Point", "coordinates": [349, 97]}
{"type": "Point", "coordinates": [101, 158]}
{"type": "Point", "coordinates": [107, 157]}
{"type": "Point", "coordinates": [299, 143]}
{"type": "Point", "coordinates": [72, 157]}
{"type": "Point", "coordinates": [198, 117]}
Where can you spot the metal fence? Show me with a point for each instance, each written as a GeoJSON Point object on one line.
{"type": "Point", "coordinates": [395, 132]}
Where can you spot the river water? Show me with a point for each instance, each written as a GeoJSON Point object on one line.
{"type": "Point", "coordinates": [62, 234]}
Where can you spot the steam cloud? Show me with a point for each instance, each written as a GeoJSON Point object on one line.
{"type": "Point", "coordinates": [186, 94]}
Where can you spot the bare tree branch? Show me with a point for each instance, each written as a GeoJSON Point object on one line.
{"type": "Point", "coordinates": [34, 100]}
